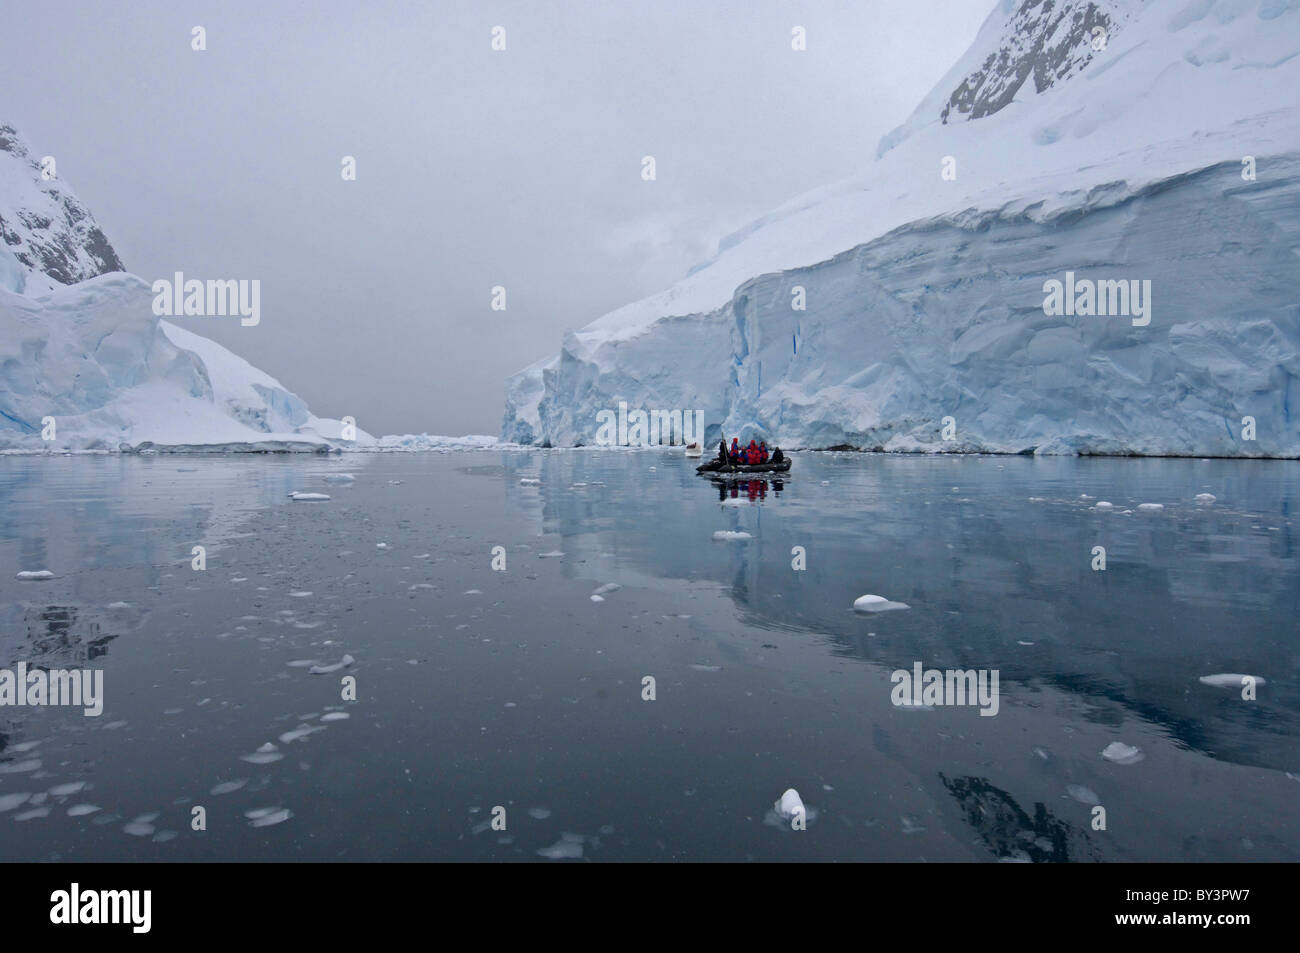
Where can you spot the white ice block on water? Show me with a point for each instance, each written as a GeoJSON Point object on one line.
{"type": "Point", "coordinates": [1121, 753]}
{"type": "Point", "coordinates": [1229, 680]}
{"type": "Point", "coordinates": [35, 575]}
{"type": "Point", "coordinates": [790, 805]}
{"type": "Point", "coordinates": [872, 603]}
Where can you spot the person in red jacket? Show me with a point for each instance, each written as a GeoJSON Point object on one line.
{"type": "Point", "coordinates": [751, 454]}
{"type": "Point", "coordinates": [735, 449]}
{"type": "Point", "coordinates": [762, 452]}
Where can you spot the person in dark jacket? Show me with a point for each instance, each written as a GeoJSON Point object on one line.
{"type": "Point", "coordinates": [735, 450]}
{"type": "Point", "coordinates": [777, 455]}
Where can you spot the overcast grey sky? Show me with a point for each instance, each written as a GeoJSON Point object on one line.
{"type": "Point", "coordinates": [475, 168]}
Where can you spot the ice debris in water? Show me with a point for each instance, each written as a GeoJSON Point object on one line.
{"type": "Point", "coordinates": [229, 787]}
{"type": "Point", "coordinates": [1205, 497]}
{"type": "Point", "coordinates": [63, 790]}
{"type": "Point", "coordinates": [266, 754]}
{"type": "Point", "coordinates": [335, 716]}
{"type": "Point", "coordinates": [1103, 505]}
{"type": "Point", "coordinates": [10, 801]}
{"type": "Point", "coordinates": [35, 575]}
{"type": "Point", "coordinates": [32, 814]}
{"type": "Point", "coordinates": [339, 478]}
{"type": "Point", "coordinates": [79, 810]}
{"type": "Point", "coordinates": [1151, 507]}
{"type": "Point", "coordinates": [540, 813]}
{"type": "Point", "coordinates": [870, 603]}
{"type": "Point", "coordinates": [551, 555]}
{"type": "Point", "coordinates": [326, 669]}
{"type": "Point", "coordinates": [790, 805]}
{"type": "Point", "coordinates": [20, 767]}
{"type": "Point", "coordinates": [1229, 680]}
{"type": "Point", "coordinates": [266, 816]}
{"type": "Point", "coordinates": [529, 481]}
{"type": "Point", "coordinates": [142, 826]}
{"type": "Point", "coordinates": [725, 535]}
{"type": "Point", "coordinates": [1082, 794]}
{"type": "Point", "coordinates": [607, 588]}
{"type": "Point", "coordinates": [1121, 753]}
{"type": "Point", "coordinates": [307, 497]}
{"type": "Point", "coordinates": [568, 847]}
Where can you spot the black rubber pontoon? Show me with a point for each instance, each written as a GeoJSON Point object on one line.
{"type": "Point", "coordinates": [720, 468]}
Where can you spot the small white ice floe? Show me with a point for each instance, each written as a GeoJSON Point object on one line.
{"type": "Point", "coordinates": [81, 810]}
{"type": "Point", "coordinates": [326, 669]}
{"type": "Point", "coordinates": [1205, 497]}
{"type": "Point", "coordinates": [1120, 753]}
{"type": "Point", "coordinates": [707, 668]}
{"type": "Point", "coordinates": [473, 592]}
{"type": "Point", "coordinates": [63, 790]}
{"type": "Point", "coordinates": [1103, 505]}
{"type": "Point", "coordinates": [266, 754]}
{"type": "Point", "coordinates": [300, 594]}
{"type": "Point", "coordinates": [339, 478]}
{"type": "Point", "coordinates": [1150, 507]}
{"type": "Point", "coordinates": [1082, 794]}
{"type": "Point", "coordinates": [553, 554]}
{"type": "Point", "coordinates": [789, 805]}
{"type": "Point", "coordinates": [606, 589]}
{"type": "Point", "coordinates": [142, 826]}
{"type": "Point", "coordinates": [10, 801]}
{"type": "Point", "coordinates": [726, 535]}
{"type": "Point", "coordinates": [381, 545]}
{"type": "Point", "coordinates": [34, 575]}
{"type": "Point", "coordinates": [119, 605]}
{"type": "Point", "coordinates": [529, 481]}
{"type": "Point", "coordinates": [334, 716]}
{"type": "Point", "coordinates": [870, 603]}
{"type": "Point", "coordinates": [302, 731]}
{"type": "Point", "coordinates": [568, 847]}
{"type": "Point", "coordinates": [1023, 642]}
{"type": "Point", "coordinates": [308, 497]}
{"type": "Point", "coordinates": [266, 816]}
{"type": "Point", "coordinates": [228, 787]}
{"type": "Point", "coordinates": [1229, 680]}
{"type": "Point", "coordinates": [539, 813]}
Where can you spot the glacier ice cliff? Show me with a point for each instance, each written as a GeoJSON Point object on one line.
{"type": "Point", "coordinates": [1165, 148]}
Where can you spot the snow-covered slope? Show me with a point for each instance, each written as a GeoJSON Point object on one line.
{"type": "Point", "coordinates": [86, 365]}
{"type": "Point", "coordinates": [1113, 155]}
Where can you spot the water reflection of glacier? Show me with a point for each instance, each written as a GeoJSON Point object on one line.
{"type": "Point", "coordinates": [994, 556]}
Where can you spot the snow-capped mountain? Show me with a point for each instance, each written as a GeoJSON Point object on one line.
{"type": "Point", "coordinates": [1138, 156]}
{"type": "Point", "coordinates": [86, 365]}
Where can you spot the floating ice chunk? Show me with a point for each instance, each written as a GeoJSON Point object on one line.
{"type": "Point", "coordinates": [1205, 497]}
{"type": "Point", "coordinates": [381, 545]}
{"type": "Point", "coordinates": [596, 598]}
{"type": "Point", "coordinates": [228, 787]}
{"type": "Point", "coordinates": [339, 478]}
{"type": "Point", "coordinates": [1229, 680]}
{"type": "Point", "coordinates": [1150, 507]}
{"type": "Point", "coordinates": [1103, 505]}
{"type": "Point", "coordinates": [163, 837]}
{"type": "Point", "coordinates": [910, 826]}
{"type": "Point", "coordinates": [790, 805]}
{"type": "Point", "coordinates": [420, 585]}
{"type": "Point", "coordinates": [707, 668]}
{"type": "Point", "coordinates": [266, 754]}
{"type": "Point", "coordinates": [421, 556]}
{"type": "Point", "coordinates": [300, 594]}
{"type": "Point", "coordinates": [63, 790]}
{"type": "Point", "coordinates": [80, 810]}
{"type": "Point", "coordinates": [142, 826]}
{"type": "Point", "coordinates": [551, 555]}
{"type": "Point", "coordinates": [1023, 642]}
{"type": "Point", "coordinates": [1121, 753]}
{"type": "Point", "coordinates": [35, 575]}
{"type": "Point", "coordinates": [472, 592]}
{"type": "Point", "coordinates": [119, 605]}
{"type": "Point", "coordinates": [307, 497]}
{"type": "Point", "coordinates": [267, 816]}
{"type": "Point", "coordinates": [326, 669]}
{"type": "Point", "coordinates": [32, 814]}
{"type": "Point", "coordinates": [540, 813]}
{"type": "Point", "coordinates": [870, 603]}
{"type": "Point", "coordinates": [10, 801]}
{"type": "Point", "coordinates": [302, 731]}
{"type": "Point", "coordinates": [1082, 794]}
{"type": "Point", "coordinates": [568, 847]}
{"type": "Point", "coordinates": [607, 588]}
{"type": "Point", "coordinates": [20, 767]}
{"type": "Point", "coordinates": [726, 535]}
{"type": "Point", "coordinates": [303, 662]}
{"type": "Point", "coordinates": [335, 716]}
{"type": "Point", "coordinates": [529, 481]}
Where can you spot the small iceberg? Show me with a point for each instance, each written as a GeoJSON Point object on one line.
{"type": "Point", "coordinates": [568, 847]}
{"type": "Point", "coordinates": [1229, 680]}
{"type": "Point", "coordinates": [266, 816]}
{"type": "Point", "coordinates": [1150, 507]}
{"type": "Point", "coordinates": [228, 787]}
{"type": "Point", "coordinates": [266, 754]}
{"type": "Point", "coordinates": [335, 716]}
{"type": "Point", "coordinates": [1120, 753]}
{"type": "Point", "coordinates": [63, 790]}
{"type": "Point", "coordinates": [307, 497]}
{"type": "Point", "coordinates": [1082, 794]}
{"type": "Point", "coordinates": [1103, 505]}
{"type": "Point", "coordinates": [81, 810]}
{"type": "Point", "coordinates": [10, 801]}
{"type": "Point", "coordinates": [34, 575]}
{"type": "Point", "coordinates": [340, 478]}
{"type": "Point", "coordinates": [529, 481]}
{"type": "Point", "coordinates": [790, 805]}
{"type": "Point", "coordinates": [326, 669]}
{"type": "Point", "coordinates": [726, 535]}
{"type": "Point", "coordinates": [870, 603]}
{"type": "Point", "coordinates": [1205, 497]}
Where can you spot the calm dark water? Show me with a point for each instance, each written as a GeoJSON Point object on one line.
{"type": "Point", "coordinates": [478, 688]}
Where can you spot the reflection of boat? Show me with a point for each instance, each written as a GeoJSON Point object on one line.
{"type": "Point", "coordinates": [694, 450]}
{"type": "Point", "coordinates": [718, 468]}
